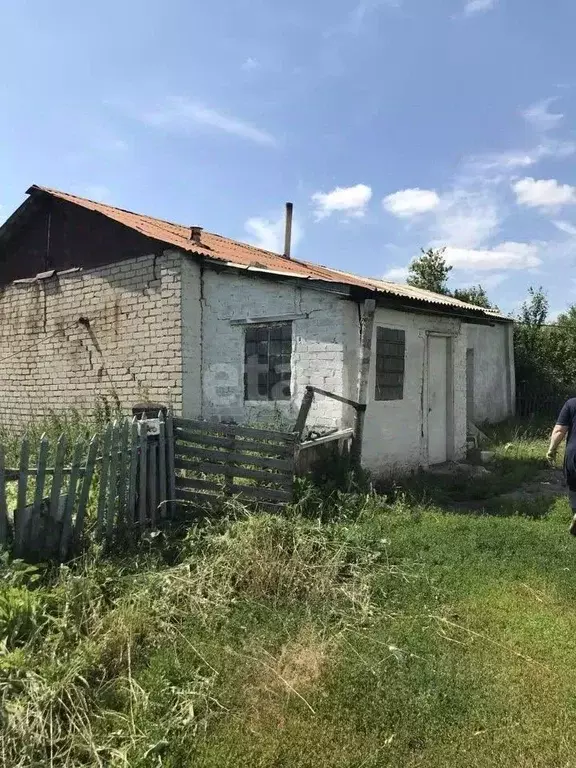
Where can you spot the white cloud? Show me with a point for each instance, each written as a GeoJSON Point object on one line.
{"type": "Point", "coordinates": [502, 162]}
{"type": "Point", "coordinates": [250, 64]}
{"type": "Point", "coordinates": [566, 227]}
{"type": "Point", "coordinates": [543, 193]}
{"type": "Point", "coordinates": [396, 274]}
{"type": "Point", "coordinates": [503, 256]}
{"type": "Point", "coordinates": [478, 6]}
{"type": "Point", "coordinates": [351, 201]}
{"type": "Point", "coordinates": [181, 115]}
{"type": "Point", "coordinates": [268, 233]}
{"type": "Point", "coordinates": [540, 116]}
{"type": "Point", "coordinates": [407, 203]}
{"type": "Point", "coordinates": [97, 192]}
{"type": "Point", "coordinates": [466, 219]}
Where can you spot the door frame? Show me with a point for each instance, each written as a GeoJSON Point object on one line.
{"type": "Point", "coordinates": [450, 404]}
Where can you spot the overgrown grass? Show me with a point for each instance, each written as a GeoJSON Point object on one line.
{"type": "Point", "coordinates": [519, 455]}
{"type": "Point", "coordinates": [353, 632]}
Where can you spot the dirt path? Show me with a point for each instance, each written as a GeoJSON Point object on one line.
{"type": "Point", "coordinates": [546, 485]}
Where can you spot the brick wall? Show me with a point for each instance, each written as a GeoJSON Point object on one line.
{"type": "Point", "coordinates": [325, 337]}
{"type": "Point", "coordinates": [129, 351]}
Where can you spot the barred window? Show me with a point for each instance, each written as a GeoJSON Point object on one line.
{"type": "Point", "coordinates": [267, 362]}
{"type": "Point", "coordinates": [390, 354]}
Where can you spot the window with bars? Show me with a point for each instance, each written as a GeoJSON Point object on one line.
{"type": "Point", "coordinates": [267, 362]}
{"type": "Point", "coordinates": [390, 354]}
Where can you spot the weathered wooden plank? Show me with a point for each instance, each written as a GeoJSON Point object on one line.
{"type": "Point", "coordinates": [205, 500]}
{"type": "Point", "coordinates": [143, 470]}
{"type": "Point", "coordinates": [57, 478]}
{"type": "Point", "coordinates": [233, 429]}
{"type": "Point", "coordinates": [19, 521]}
{"type": "Point", "coordinates": [268, 494]}
{"type": "Point", "coordinates": [162, 478]}
{"type": "Point", "coordinates": [152, 482]}
{"type": "Point", "coordinates": [334, 396]}
{"type": "Point", "coordinates": [183, 436]}
{"type": "Point", "coordinates": [278, 478]}
{"type": "Point", "coordinates": [186, 482]}
{"type": "Point", "coordinates": [241, 458]}
{"type": "Point", "coordinates": [123, 471]}
{"type": "Point", "coordinates": [70, 501]}
{"type": "Point", "coordinates": [104, 465]}
{"type": "Point", "coordinates": [41, 472]}
{"type": "Point", "coordinates": [132, 473]}
{"type": "Point", "coordinates": [170, 445]}
{"type": "Point", "coordinates": [112, 480]}
{"type": "Point", "coordinates": [85, 490]}
{"type": "Point", "coordinates": [24, 526]}
{"type": "Point", "coordinates": [305, 406]}
{"type": "Point", "coordinates": [3, 505]}
{"type": "Point", "coordinates": [341, 434]}
{"type": "Point", "coordinates": [229, 475]}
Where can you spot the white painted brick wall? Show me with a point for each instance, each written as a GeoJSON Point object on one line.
{"type": "Point", "coordinates": [319, 345]}
{"type": "Point", "coordinates": [395, 431]}
{"type": "Point", "coordinates": [51, 363]}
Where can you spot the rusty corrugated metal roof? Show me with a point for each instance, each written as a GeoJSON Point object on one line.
{"type": "Point", "coordinates": [249, 257]}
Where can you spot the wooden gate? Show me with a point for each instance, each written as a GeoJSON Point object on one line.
{"type": "Point", "coordinates": [214, 460]}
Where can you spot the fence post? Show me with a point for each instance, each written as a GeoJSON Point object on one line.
{"type": "Point", "coordinates": [105, 463]}
{"type": "Point", "coordinates": [123, 473]}
{"type": "Point", "coordinates": [152, 486]}
{"type": "Point", "coordinates": [112, 479]}
{"type": "Point", "coordinates": [133, 472]}
{"type": "Point", "coordinates": [303, 412]}
{"type": "Point", "coordinates": [143, 450]}
{"type": "Point", "coordinates": [170, 444]}
{"type": "Point", "coordinates": [162, 464]}
{"type": "Point", "coordinates": [3, 506]}
{"type": "Point", "coordinates": [85, 492]}
{"type": "Point", "coordinates": [70, 499]}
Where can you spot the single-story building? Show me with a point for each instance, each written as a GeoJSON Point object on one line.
{"type": "Point", "coordinates": [100, 303]}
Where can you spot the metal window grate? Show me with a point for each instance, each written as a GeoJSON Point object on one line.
{"type": "Point", "coordinates": [390, 355]}
{"type": "Point", "coordinates": [267, 362]}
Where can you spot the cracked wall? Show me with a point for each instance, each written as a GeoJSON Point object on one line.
{"type": "Point", "coordinates": [113, 332]}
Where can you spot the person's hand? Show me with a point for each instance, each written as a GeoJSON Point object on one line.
{"type": "Point", "coordinates": [551, 456]}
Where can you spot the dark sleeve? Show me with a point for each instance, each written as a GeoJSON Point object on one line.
{"type": "Point", "coordinates": [566, 415]}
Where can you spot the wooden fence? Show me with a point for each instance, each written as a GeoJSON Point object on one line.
{"type": "Point", "coordinates": [133, 477]}
{"type": "Point", "coordinates": [213, 459]}
{"type": "Point", "coordinates": [119, 481]}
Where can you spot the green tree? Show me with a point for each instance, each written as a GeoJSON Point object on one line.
{"type": "Point", "coordinates": [536, 356]}
{"type": "Point", "coordinates": [430, 271]}
{"type": "Point", "coordinates": [476, 294]}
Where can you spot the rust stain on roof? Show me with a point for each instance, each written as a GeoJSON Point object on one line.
{"type": "Point", "coordinates": [247, 256]}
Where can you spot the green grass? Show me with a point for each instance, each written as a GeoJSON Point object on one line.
{"type": "Point", "coordinates": [353, 633]}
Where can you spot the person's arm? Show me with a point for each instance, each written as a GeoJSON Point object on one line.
{"type": "Point", "coordinates": [558, 434]}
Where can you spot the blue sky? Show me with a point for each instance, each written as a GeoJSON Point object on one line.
{"type": "Point", "coordinates": [391, 124]}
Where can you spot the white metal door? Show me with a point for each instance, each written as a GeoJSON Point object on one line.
{"type": "Point", "coordinates": [437, 399]}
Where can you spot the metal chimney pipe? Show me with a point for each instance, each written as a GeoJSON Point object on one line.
{"type": "Point", "coordinates": [288, 230]}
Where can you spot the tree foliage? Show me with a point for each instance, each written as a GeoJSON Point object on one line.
{"type": "Point", "coordinates": [430, 271]}
{"type": "Point", "coordinates": [545, 352]}
{"type": "Point", "coordinates": [476, 294]}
